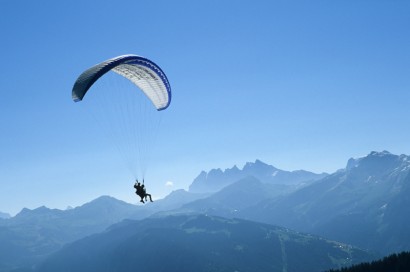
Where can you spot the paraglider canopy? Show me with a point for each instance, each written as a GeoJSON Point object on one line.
{"type": "Point", "coordinates": [141, 71]}
{"type": "Point", "coordinates": [121, 102]}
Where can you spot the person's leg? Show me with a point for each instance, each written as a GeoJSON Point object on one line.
{"type": "Point", "coordinates": [149, 197]}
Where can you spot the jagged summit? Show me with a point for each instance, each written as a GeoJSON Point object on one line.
{"type": "Point", "coordinates": [258, 164]}
{"type": "Point", "coordinates": [216, 179]}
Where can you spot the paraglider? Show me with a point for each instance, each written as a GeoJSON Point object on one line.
{"type": "Point", "coordinates": [141, 191]}
{"type": "Point", "coordinates": [144, 73]}
{"type": "Point", "coordinates": [134, 128]}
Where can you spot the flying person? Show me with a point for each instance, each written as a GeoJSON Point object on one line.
{"type": "Point", "coordinates": [139, 190]}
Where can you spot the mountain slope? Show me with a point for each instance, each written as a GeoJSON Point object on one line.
{"type": "Point", "coordinates": [201, 243]}
{"type": "Point", "coordinates": [365, 204]}
{"type": "Point", "coordinates": [232, 199]}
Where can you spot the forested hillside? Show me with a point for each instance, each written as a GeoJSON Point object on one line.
{"type": "Point", "coordinates": [394, 263]}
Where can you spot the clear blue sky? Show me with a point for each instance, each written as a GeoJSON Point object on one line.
{"type": "Point", "coordinates": [297, 84]}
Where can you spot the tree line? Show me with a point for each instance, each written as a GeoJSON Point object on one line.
{"type": "Point", "coordinates": [393, 263]}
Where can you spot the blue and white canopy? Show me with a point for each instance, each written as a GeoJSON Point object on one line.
{"type": "Point", "coordinates": [144, 73]}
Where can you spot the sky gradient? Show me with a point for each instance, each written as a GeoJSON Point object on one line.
{"type": "Point", "coordinates": [296, 84]}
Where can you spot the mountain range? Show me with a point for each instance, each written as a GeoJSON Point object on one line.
{"type": "Point", "coordinates": [365, 204]}
{"type": "Point", "coordinates": [32, 235]}
{"type": "Point", "coordinates": [187, 243]}
{"type": "Point", "coordinates": [216, 179]}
